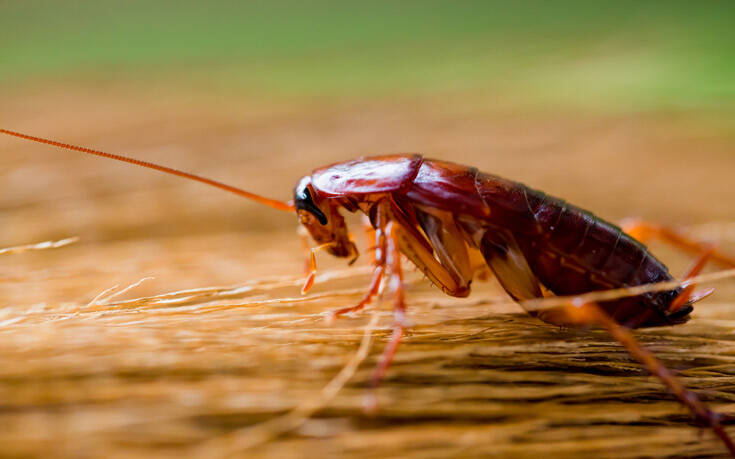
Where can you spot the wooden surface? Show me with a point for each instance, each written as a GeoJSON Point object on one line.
{"type": "Point", "coordinates": [181, 374]}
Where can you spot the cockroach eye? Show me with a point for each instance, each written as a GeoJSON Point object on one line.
{"type": "Point", "coordinates": [303, 201]}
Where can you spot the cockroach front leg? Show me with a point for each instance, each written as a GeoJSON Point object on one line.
{"type": "Point", "coordinates": [591, 314]}
{"type": "Point", "coordinates": [407, 242]}
{"type": "Point", "coordinates": [311, 266]}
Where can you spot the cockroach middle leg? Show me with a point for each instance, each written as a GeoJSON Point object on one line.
{"type": "Point", "coordinates": [393, 238]}
{"type": "Point", "coordinates": [586, 314]}
{"type": "Point", "coordinates": [372, 291]}
{"type": "Point", "coordinates": [393, 260]}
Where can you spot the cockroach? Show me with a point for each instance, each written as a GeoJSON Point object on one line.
{"type": "Point", "coordinates": [449, 219]}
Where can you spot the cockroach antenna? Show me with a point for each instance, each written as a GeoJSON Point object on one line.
{"type": "Point", "coordinates": [279, 205]}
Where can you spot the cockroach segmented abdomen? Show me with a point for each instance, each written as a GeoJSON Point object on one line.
{"type": "Point", "coordinates": [572, 251]}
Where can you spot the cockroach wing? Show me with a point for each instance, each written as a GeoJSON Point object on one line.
{"type": "Point", "coordinates": [505, 258]}
{"type": "Point", "coordinates": [374, 174]}
{"type": "Point", "coordinates": [511, 201]}
{"type": "Point", "coordinates": [448, 186]}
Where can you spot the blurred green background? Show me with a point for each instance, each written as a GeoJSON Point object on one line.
{"type": "Point", "coordinates": [623, 55]}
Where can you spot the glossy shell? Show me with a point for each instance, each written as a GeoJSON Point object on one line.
{"type": "Point", "coordinates": [370, 175]}
{"type": "Point", "coordinates": [569, 250]}
{"type": "Point", "coordinates": [448, 186]}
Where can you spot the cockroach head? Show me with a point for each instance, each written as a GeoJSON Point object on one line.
{"type": "Point", "coordinates": [322, 220]}
{"type": "Point", "coordinates": [304, 202]}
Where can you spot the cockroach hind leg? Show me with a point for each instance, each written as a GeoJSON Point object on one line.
{"type": "Point", "coordinates": [686, 297]}
{"type": "Point", "coordinates": [593, 314]}
{"type": "Point", "coordinates": [645, 231]}
{"type": "Point", "coordinates": [705, 252]}
{"type": "Point", "coordinates": [637, 229]}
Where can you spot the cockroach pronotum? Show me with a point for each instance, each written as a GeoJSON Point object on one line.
{"type": "Point", "coordinates": [449, 220]}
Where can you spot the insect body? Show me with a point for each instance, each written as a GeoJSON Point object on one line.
{"type": "Point", "coordinates": [448, 219]}
{"type": "Point", "coordinates": [527, 238]}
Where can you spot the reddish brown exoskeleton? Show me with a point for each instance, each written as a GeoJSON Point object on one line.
{"type": "Point", "coordinates": [444, 217]}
